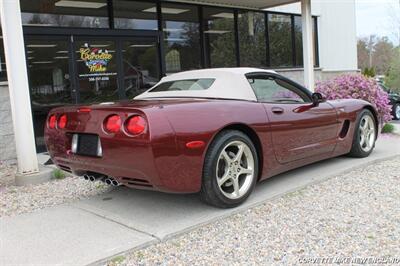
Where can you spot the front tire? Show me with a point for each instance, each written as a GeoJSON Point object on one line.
{"type": "Point", "coordinates": [364, 135]}
{"type": "Point", "coordinates": [230, 170]}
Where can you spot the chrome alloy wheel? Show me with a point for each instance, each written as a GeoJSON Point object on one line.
{"type": "Point", "coordinates": [235, 170]}
{"type": "Point", "coordinates": [367, 133]}
{"type": "Point", "coordinates": [397, 111]}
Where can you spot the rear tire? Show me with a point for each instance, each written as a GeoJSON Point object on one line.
{"type": "Point", "coordinates": [365, 134]}
{"type": "Point", "coordinates": [230, 170]}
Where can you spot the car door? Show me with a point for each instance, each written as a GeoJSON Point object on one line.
{"type": "Point", "coordinates": [298, 129]}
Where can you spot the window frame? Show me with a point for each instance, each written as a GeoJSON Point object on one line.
{"type": "Point", "coordinates": [265, 33]}
{"type": "Point", "coordinates": [205, 42]}
{"type": "Point", "coordinates": [303, 92]}
{"type": "Point", "coordinates": [112, 15]}
{"type": "Point", "coordinates": [108, 15]}
{"type": "Point", "coordinates": [195, 80]}
{"type": "Point", "coordinates": [204, 62]}
{"type": "Point", "coordinates": [163, 42]}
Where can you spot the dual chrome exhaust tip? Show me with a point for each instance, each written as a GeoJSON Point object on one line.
{"type": "Point", "coordinates": [112, 182]}
{"type": "Point", "coordinates": [108, 180]}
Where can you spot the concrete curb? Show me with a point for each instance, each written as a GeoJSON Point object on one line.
{"type": "Point", "coordinates": [44, 175]}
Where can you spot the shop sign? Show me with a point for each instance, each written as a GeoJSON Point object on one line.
{"type": "Point", "coordinates": [97, 61]}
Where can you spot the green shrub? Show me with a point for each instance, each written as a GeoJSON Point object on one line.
{"type": "Point", "coordinates": [388, 128]}
{"type": "Point", "coordinates": [58, 174]}
{"type": "Point", "coordinates": [369, 72]}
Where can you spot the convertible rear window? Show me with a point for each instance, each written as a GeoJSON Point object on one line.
{"type": "Point", "coordinates": [184, 85]}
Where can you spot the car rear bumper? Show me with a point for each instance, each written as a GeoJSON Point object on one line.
{"type": "Point", "coordinates": [137, 164]}
{"type": "Point", "coordinates": [79, 165]}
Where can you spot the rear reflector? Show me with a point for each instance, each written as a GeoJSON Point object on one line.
{"type": "Point", "coordinates": [112, 124]}
{"type": "Point", "coordinates": [52, 121]}
{"type": "Point", "coordinates": [135, 125]}
{"type": "Point", "coordinates": [62, 121]}
{"type": "Point", "coordinates": [84, 110]}
{"type": "Point", "coordinates": [195, 144]}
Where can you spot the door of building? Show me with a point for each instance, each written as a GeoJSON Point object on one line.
{"type": "Point", "coordinates": [72, 69]}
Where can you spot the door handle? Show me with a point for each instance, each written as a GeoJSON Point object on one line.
{"type": "Point", "coordinates": [277, 110]}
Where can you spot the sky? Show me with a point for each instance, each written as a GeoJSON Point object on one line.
{"type": "Point", "coordinates": [378, 17]}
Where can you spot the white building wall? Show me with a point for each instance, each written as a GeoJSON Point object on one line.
{"type": "Point", "coordinates": [7, 142]}
{"type": "Point", "coordinates": [336, 32]}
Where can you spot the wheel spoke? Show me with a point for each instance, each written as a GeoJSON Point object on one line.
{"type": "Point", "coordinates": [367, 142]}
{"type": "Point", "coordinates": [223, 179]}
{"type": "Point", "coordinates": [365, 125]}
{"type": "Point", "coordinates": [245, 171]}
{"type": "Point", "coordinates": [236, 187]}
{"type": "Point", "coordinates": [226, 157]}
{"type": "Point", "coordinates": [370, 125]}
{"type": "Point", "coordinates": [362, 140]}
{"type": "Point", "coordinates": [239, 154]}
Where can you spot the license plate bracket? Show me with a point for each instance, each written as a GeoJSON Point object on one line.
{"type": "Point", "coordinates": [86, 145]}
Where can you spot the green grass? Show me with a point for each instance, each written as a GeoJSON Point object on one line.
{"type": "Point", "coordinates": [100, 185]}
{"type": "Point", "coordinates": [58, 174]}
{"type": "Point", "coordinates": [388, 128]}
{"type": "Point", "coordinates": [117, 260]}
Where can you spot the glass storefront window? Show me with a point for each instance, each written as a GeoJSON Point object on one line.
{"type": "Point", "coordinates": [315, 41]}
{"type": "Point", "coordinates": [219, 37]}
{"type": "Point", "coordinates": [298, 38]}
{"type": "Point", "coordinates": [135, 15]}
{"type": "Point", "coordinates": [49, 80]}
{"type": "Point", "coordinates": [65, 13]}
{"type": "Point", "coordinates": [181, 37]}
{"type": "Point", "coordinates": [252, 43]}
{"type": "Point", "coordinates": [3, 71]}
{"type": "Point", "coordinates": [299, 41]}
{"type": "Point", "coordinates": [280, 40]}
{"type": "Point", "coordinates": [97, 71]}
{"type": "Point", "coordinates": [140, 66]}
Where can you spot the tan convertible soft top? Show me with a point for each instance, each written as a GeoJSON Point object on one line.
{"type": "Point", "coordinates": [230, 83]}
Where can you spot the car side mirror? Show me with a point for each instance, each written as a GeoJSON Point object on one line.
{"type": "Point", "coordinates": [317, 98]}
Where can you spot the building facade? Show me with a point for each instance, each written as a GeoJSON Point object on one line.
{"type": "Point", "coordinates": [83, 52]}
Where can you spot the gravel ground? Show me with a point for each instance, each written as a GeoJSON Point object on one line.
{"type": "Point", "coordinates": [21, 199]}
{"type": "Point", "coordinates": [356, 214]}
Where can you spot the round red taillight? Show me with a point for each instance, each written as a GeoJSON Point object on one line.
{"type": "Point", "coordinates": [52, 121]}
{"type": "Point", "coordinates": [112, 124]}
{"type": "Point", "coordinates": [135, 125]}
{"type": "Point", "coordinates": [62, 121]}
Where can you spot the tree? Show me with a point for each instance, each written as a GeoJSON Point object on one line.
{"type": "Point", "coordinates": [375, 53]}
{"type": "Point", "coordinates": [382, 55]}
{"type": "Point", "coordinates": [392, 79]}
{"type": "Point", "coordinates": [363, 54]}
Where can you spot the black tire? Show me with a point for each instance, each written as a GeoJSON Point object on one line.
{"type": "Point", "coordinates": [394, 113]}
{"type": "Point", "coordinates": [357, 149]}
{"type": "Point", "coordinates": [210, 191]}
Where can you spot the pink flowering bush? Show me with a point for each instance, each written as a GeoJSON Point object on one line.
{"type": "Point", "coordinates": [357, 86]}
{"type": "Point", "coordinates": [285, 94]}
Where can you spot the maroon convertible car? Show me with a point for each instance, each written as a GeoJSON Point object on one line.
{"type": "Point", "coordinates": [214, 131]}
